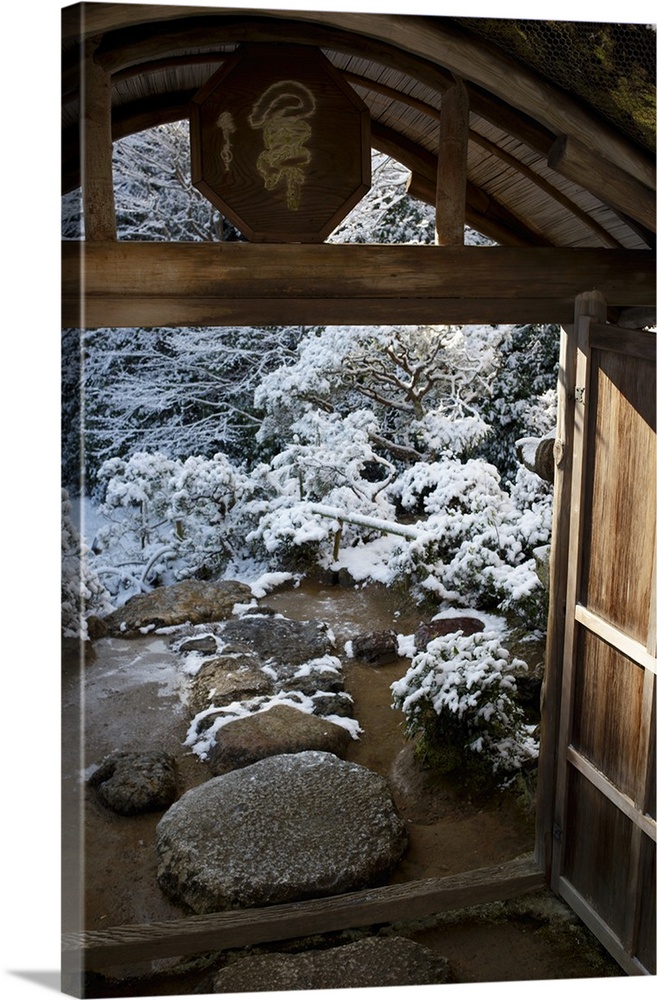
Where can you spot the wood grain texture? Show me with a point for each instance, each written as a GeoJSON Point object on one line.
{"type": "Point", "coordinates": [464, 56]}
{"type": "Point", "coordinates": [590, 306]}
{"type": "Point", "coordinates": [611, 184]}
{"type": "Point", "coordinates": [150, 284]}
{"type": "Point", "coordinates": [597, 861]}
{"type": "Point", "coordinates": [604, 802]}
{"type": "Point", "coordinates": [452, 166]}
{"type": "Point", "coordinates": [237, 928]}
{"type": "Point", "coordinates": [607, 712]}
{"type": "Point", "coordinates": [620, 508]}
{"type": "Point", "coordinates": [117, 311]}
{"type": "Point", "coordinates": [96, 150]}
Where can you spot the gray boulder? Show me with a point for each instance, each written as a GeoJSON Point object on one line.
{"type": "Point", "coordinates": [377, 648]}
{"type": "Point", "coordinates": [131, 783]}
{"type": "Point", "coordinates": [225, 679]}
{"type": "Point", "coordinates": [280, 729]}
{"type": "Point", "coordinates": [333, 703]}
{"type": "Point", "coordinates": [323, 674]}
{"type": "Point", "coordinates": [192, 601]}
{"type": "Point", "coordinates": [204, 642]}
{"type": "Point", "coordinates": [283, 640]}
{"type": "Point", "coordinates": [291, 827]}
{"type": "Point", "coordinates": [370, 962]}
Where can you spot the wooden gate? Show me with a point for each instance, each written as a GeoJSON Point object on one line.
{"type": "Point", "coordinates": [603, 853]}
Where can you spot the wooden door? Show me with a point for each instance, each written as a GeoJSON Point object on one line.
{"type": "Point", "coordinates": [603, 850]}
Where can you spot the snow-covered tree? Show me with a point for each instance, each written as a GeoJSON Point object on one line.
{"type": "Point", "coordinates": [422, 385]}
{"type": "Point", "coordinates": [166, 519]}
{"type": "Point", "coordinates": [388, 214]}
{"type": "Point", "coordinates": [83, 592]}
{"type": "Point", "coordinates": [523, 400]}
{"type": "Point", "coordinates": [185, 391]}
{"type": "Point", "coordinates": [153, 192]}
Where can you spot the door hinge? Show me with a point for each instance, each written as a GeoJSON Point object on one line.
{"type": "Point", "coordinates": [557, 833]}
{"type": "Point", "coordinates": [579, 393]}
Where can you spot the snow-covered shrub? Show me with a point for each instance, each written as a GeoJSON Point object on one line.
{"type": "Point", "coordinates": [475, 540]}
{"type": "Point", "coordinates": [291, 534]}
{"type": "Point", "coordinates": [458, 698]}
{"type": "Point", "coordinates": [448, 433]}
{"type": "Point", "coordinates": [83, 593]}
{"type": "Point", "coordinates": [328, 461]}
{"type": "Point", "coordinates": [168, 519]}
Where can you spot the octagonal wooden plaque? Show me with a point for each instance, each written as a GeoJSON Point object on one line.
{"type": "Point", "coordinates": [280, 143]}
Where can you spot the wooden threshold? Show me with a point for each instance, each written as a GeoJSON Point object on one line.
{"type": "Point", "coordinates": [238, 928]}
{"type": "Point", "coordinates": [222, 284]}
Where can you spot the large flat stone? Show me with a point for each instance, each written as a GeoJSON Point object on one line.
{"type": "Point", "coordinates": [225, 679]}
{"type": "Point", "coordinates": [290, 827]}
{"type": "Point", "coordinates": [283, 640]}
{"type": "Point", "coordinates": [370, 962]}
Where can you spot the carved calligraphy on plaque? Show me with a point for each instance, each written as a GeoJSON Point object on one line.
{"type": "Point", "coordinates": [280, 143]}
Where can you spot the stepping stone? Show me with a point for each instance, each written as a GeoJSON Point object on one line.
{"type": "Point", "coordinates": [371, 962]}
{"type": "Point", "coordinates": [280, 729]}
{"type": "Point", "coordinates": [130, 783]}
{"type": "Point", "coordinates": [290, 827]}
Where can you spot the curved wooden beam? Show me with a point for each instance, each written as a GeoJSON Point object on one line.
{"type": "Point", "coordinates": [482, 212]}
{"type": "Point", "coordinates": [125, 55]}
{"type": "Point", "coordinates": [364, 83]}
{"type": "Point", "coordinates": [440, 43]}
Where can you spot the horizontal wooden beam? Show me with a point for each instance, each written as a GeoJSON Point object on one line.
{"type": "Point", "coordinates": [239, 928]}
{"type": "Point", "coordinates": [225, 284]}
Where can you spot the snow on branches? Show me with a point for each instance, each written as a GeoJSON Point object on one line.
{"type": "Point", "coordinates": [458, 698]}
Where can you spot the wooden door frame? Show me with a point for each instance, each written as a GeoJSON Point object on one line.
{"type": "Point", "coordinates": [567, 616]}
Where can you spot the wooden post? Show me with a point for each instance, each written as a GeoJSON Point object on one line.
{"type": "Point", "coordinates": [588, 304]}
{"type": "Point", "coordinates": [452, 166]}
{"type": "Point", "coordinates": [96, 149]}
